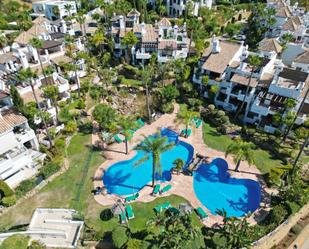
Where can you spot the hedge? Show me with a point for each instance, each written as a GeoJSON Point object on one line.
{"type": "Point", "coordinates": [49, 169]}
{"type": "Point", "coordinates": [119, 236]}
{"type": "Point", "coordinates": [8, 201]}
{"type": "Point", "coordinates": [5, 190]}
{"type": "Point", "coordinates": [25, 186]}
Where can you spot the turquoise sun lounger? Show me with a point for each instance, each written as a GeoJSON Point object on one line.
{"type": "Point", "coordinates": [198, 123]}
{"type": "Point", "coordinates": [165, 189]}
{"type": "Point", "coordinates": [160, 207]}
{"type": "Point", "coordinates": [131, 197]}
{"type": "Point", "coordinates": [117, 139]}
{"type": "Point", "coordinates": [140, 122]}
{"type": "Point", "coordinates": [156, 189]}
{"type": "Point", "coordinates": [201, 213]}
{"type": "Point", "coordinates": [130, 213]}
{"type": "Point", "coordinates": [123, 218]}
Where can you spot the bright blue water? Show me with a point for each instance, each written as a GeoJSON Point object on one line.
{"type": "Point", "coordinates": [125, 178]}
{"type": "Point", "coordinates": [215, 188]}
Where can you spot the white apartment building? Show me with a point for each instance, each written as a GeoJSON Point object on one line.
{"type": "Point", "coordinates": [54, 9]}
{"type": "Point", "coordinates": [19, 155]}
{"type": "Point", "coordinates": [166, 41]}
{"type": "Point", "coordinates": [177, 8]}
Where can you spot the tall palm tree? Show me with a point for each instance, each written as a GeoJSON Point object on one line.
{"type": "Point", "coordinates": [68, 7]}
{"type": "Point", "coordinates": [81, 19]}
{"type": "Point", "coordinates": [29, 76]}
{"type": "Point", "coordinates": [38, 44]}
{"type": "Point", "coordinates": [52, 92]}
{"type": "Point", "coordinates": [154, 147]}
{"type": "Point", "coordinates": [254, 61]}
{"type": "Point", "coordinates": [299, 154]}
{"type": "Point", "coordinates": [126, 125]}
{"type": "Point", "coordinates": [147, 74]}
{"type": "Point", "coordinates": [241, 151]}
{"type": "Point", "coordinates": [186, 115]}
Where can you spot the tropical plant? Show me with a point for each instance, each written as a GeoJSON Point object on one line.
{"type": "Point", "coordinates": [154, 146]}
{"type": "Point", "coordinates": [169, 93]}
{"type": "Point", "coordinates": [105, 116]}
{"type": "Point", "coordinates": [186, 116]}
{"type": "Point", "coordinates": [52, 92]}
{"type": "Point", "coordinates": [254, 61]}
{"type": "Point", "coordinates": [241, 151]}
{"type": "Point", "coordinates": [37, 44]}
{"type": "Point", "coordinates": [127, 125]}
{"type": "Point", "coordinates": [28, 76]}
{"type": "Point", "coordinates": [18, 102]}
{"type": "Point", "coordinates": [147, 74]}
{"type": "Point", "coordinates": [3, 41]}
{"type": "Point", "coordinates": [179, 163]}
{"type": "Point", "coordinates": [129, 40]}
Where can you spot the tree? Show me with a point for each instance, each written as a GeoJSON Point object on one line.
{"type": "Point", "coordinates": [254, 61]}
{"type": "Point", "coordinates": [18, 102]}
{"type": "Point", "coordinates": [68, 7]}
{"type": "Point", "coordinates": [179, 163]}
{"type": "Point", "coordinates": [241, 151]}
{"type": "Point", "coordinates": [155, 147]}
{"type": "Point", "coordinates": [28, 76]}
{"type": "Point", "coordinates": [105, 116]}
{"type": "Point", "coordinates": [36, 245]}
{"type": "Point", "coordinates": [186, 116]}
{"type": "Point", "coordinates": [16, 242]}
{"type": "Point", "coordinates": [126, 125]}
{"type": "Point", "coordinates": [147, 74]}
{"type": "Point", "coordinates": [81, 19]}
{"type": "Point", "coordinates": [169, 93]}
{"type": "Point", "coordinates": [97, 39]}
{"type": "Point", "coordinates": [129, 40]}
{"type": "Point", "coordinates": [52, 92]}
{"type": "Point", "coordinates": [3, 41]}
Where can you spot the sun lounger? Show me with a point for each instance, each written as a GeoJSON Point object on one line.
{"type": "Point", "coordinates": [117, 139]}
{"type": "Point", "coordinates": [123, 218]}
{"type": "Point", "coordinates": [160, 207]}
{"type": "Point", "coordinates": [186, 133]}
{"type": "Point", "coordinates": [130, 213]}
{"type": "Point", "coordinates": [156, 189]}
{"type": "Point", "coordinates": [140, 122]}
{"type": "Point", "coordinates": [131, 197]}
{"type": "Point", "coordinates": [201, 213]}
{"type": "Point", "coordinates": [165, 189]}
{"type": "Point", "coordinates": [198, 123]}
{"type": "Point", "coordinates": [189, 132]}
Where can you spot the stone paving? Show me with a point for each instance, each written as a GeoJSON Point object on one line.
{"type": "Point", "coordinates": [182, 185]}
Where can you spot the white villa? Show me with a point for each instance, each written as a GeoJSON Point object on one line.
{"type": "Point", "coordinates": [54, 9]}
{"type": "Point", "coordinates": [166, 41]}
{"type": "Point", "coordinates": [19, 148]}
{"type": "Point", "coordinates": [177, 8]}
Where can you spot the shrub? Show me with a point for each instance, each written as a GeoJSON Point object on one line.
{"type": "Point", "coordinates": [119, 236]}
{"type": "Point", "coordinates": [60, 145]}
{"type": "Point", "coordinates": [277, 214]}
{"type": "Point", "coordinates": [8, 201]}
{"type": "Point", "coordinates": [71, 127]}
{"type": "Point", "coordinates": [225, 119]}
{"type": "Point", "coordinates": [15, 242]}
{"type": "Point", "coordinates": [134, 244]}
{"type": "Point", "coordinates": [49, 169]}
{"type": "Point", "coordinates": [296, 229]}
{"type": "Point", "coordinates": [5, 190]}
{"type": "Point", "coordinates": [167, 108]}
{"type": "Point", "coordinates": [80, 104]}
{"type": "Point", "coordinates": [211, 108]}
{"type": "Point", "coordinates": [220, 114]}
{"type": "Point", "coordinates": [36, 245]}
{"type": "Point", "coordinates": [25, 186]}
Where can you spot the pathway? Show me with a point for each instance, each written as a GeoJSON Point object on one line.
{"type": "Point", "coordinates": [182, 184]}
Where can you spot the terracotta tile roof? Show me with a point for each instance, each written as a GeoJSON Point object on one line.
{"type": "Point", "coordinates": [164, 22]}
{"type": "Point", "coordinates": [302, 58]}
{"type": "Point", "coordinates": [266, 80]}
{"type": "Point", "coordinates": [270, 45]}
{"type": "Point", "coordinates": [50, 44]}
{"type": "Point", "coordinates": [40, 20]}
{"type": "Point", "coordinates": [61, 59]}
{"type": "Point", "coordinates": [28, 97]}
{"type": "Point", "coordinates": [133, 12]}
{"type": "Point", "coordinates": [3, 94]}
{"type": "Point", "coordinates": [36, 30]}
{"type": "Point", "coordinates": [290, 25]}
{"type": "Point", "coordinates": [217, 62]}
{"type": "Point", "coordinates": [167, 44]}
{"type": "Point", "coordinates": [244, 80]}
{"type": "Point", "coordinates": [9, 119]}
{"type": "Point", "coordinates": [150, 35]}
{"type": "Point", "coordinates": [283, 12]}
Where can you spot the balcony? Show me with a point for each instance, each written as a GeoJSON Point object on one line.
{"type": "Point", "coordinates": [25, 136]}
{"type": "Point", "coordinates": [142, 55]}
{"type": "Point", "coordinates": [301, 119]}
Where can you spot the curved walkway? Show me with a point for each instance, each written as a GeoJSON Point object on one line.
{"type": "Point", "coordinates": [182, 184]}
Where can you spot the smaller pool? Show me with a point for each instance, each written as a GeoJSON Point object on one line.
{"type": "Point", "coordinates": [215, 188]}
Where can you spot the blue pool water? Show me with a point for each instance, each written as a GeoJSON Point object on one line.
{"type": "Point", "coordinates": [125, 178]}
{"type": "Point", "coordinates": [217, 190]}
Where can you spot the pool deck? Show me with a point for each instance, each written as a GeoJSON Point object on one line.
{"type": "Point", "coordinates": [182, 185]}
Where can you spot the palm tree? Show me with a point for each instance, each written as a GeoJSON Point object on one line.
{"type": "Point", "coordinates": [205, 81]}
{"type": "Point", "coordinates": [179, 163]}
{"type": "Point", "coordinates": [146, 78]}
{"type": "Point", "coordinates": [37, 44]}
{"type": "Point", "coordinates": [127, 125]}
{"type": "Point", "coordinates": [241, 151]}
{"type": "Point", "coordinates": [52, 92]}
{"type": "Point", "coordinates": [185, 116]}
{"type": "Point", "coordinates": [129, 40]}
{"type": "Point", "coordinates": [154, 146]}
{"type": "Point", "coordinates": [254, 61]}
{"type": "Point", "coordinates": [299, 154]}
{"type": "Point", "coordinates": [68, 7]}
{"type": "Point", "coordinates": [81, 19]}
{"type": "Point", "coordinates": [28, 76]}
{"type": "Point", "coordinates": [97, 39]}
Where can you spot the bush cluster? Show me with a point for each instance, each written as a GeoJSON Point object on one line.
{"type": "Point", "coordinates": [7, 196]}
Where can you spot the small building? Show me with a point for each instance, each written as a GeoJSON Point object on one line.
{"type": "Point", "coordinates": [53, 227]}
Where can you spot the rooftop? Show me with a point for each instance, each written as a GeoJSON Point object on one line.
{"type": "Point", "coordinates": [10, 119]}
{"type": "Point", "coordinates": [270, 45]}
{"type": "Point", "coordinates": [302, 58]}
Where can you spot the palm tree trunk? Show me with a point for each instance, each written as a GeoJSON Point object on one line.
{"type": "Point", "coordinates": [190, 43]}
{"type": "Point", "coordinates": [41, 65]}
{"type": "Point", "coordinates": [237, 166]}
{"type": "Point", "coordinates": [77, 82]}
{"type": "Point", "coordinates": [127, 149]}
{"type": "Point", "coordinates": [187, 127]}
{"type": "Point", "coordinates": [299, 154]}
{"type": "Point", "coordinates": [153, 173]}
{"type": "Point", "coordinates": [147, 103]}
{"type": "Point", "coordinates": [297, 113]}
{"type": "Point", "coordinates": [247, 90]}
{"type": "Point", "coordinates": [41, 115]}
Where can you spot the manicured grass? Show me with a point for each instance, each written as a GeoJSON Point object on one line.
{"type": "Point", "coordinates": [73, 190]}
{"type": "Point", "coordinates": [263, 159]}
{"type": "Point", "coordinates": [131, 82]}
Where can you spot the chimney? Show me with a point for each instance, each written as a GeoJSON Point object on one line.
{"type": "Point", "coordinates": [63, 27]}
{"type": "Point", "coordinates": [23, 59]}
{"type": "Point", "coordinates": [215, 45]}
{"type": "Point", "coordinates": [121, 22]}
{"type": "Point", "coordinates": [143, 28]}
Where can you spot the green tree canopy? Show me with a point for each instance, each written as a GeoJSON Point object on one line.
{"type": "Point", "coordinates": [105, 116]}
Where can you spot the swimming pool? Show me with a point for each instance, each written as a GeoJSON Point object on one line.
{"type": "Point", "coordinates": [125, 178]}
{"type": "Point", "coordinates": [214, 187]}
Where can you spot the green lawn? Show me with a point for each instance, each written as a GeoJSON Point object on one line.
{"type": "Point", "coordinates": [73, 190]}
{"type": "Point", "coordinates": [263, 159]}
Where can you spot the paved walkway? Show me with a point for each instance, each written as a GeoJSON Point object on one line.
{"type": "Point", "coordinates": [302, 240]}
{"type": "Point", "coordinates": [182, 184]}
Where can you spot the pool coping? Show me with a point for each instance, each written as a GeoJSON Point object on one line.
{"type": "Point", "coordinates": [182, 185]}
